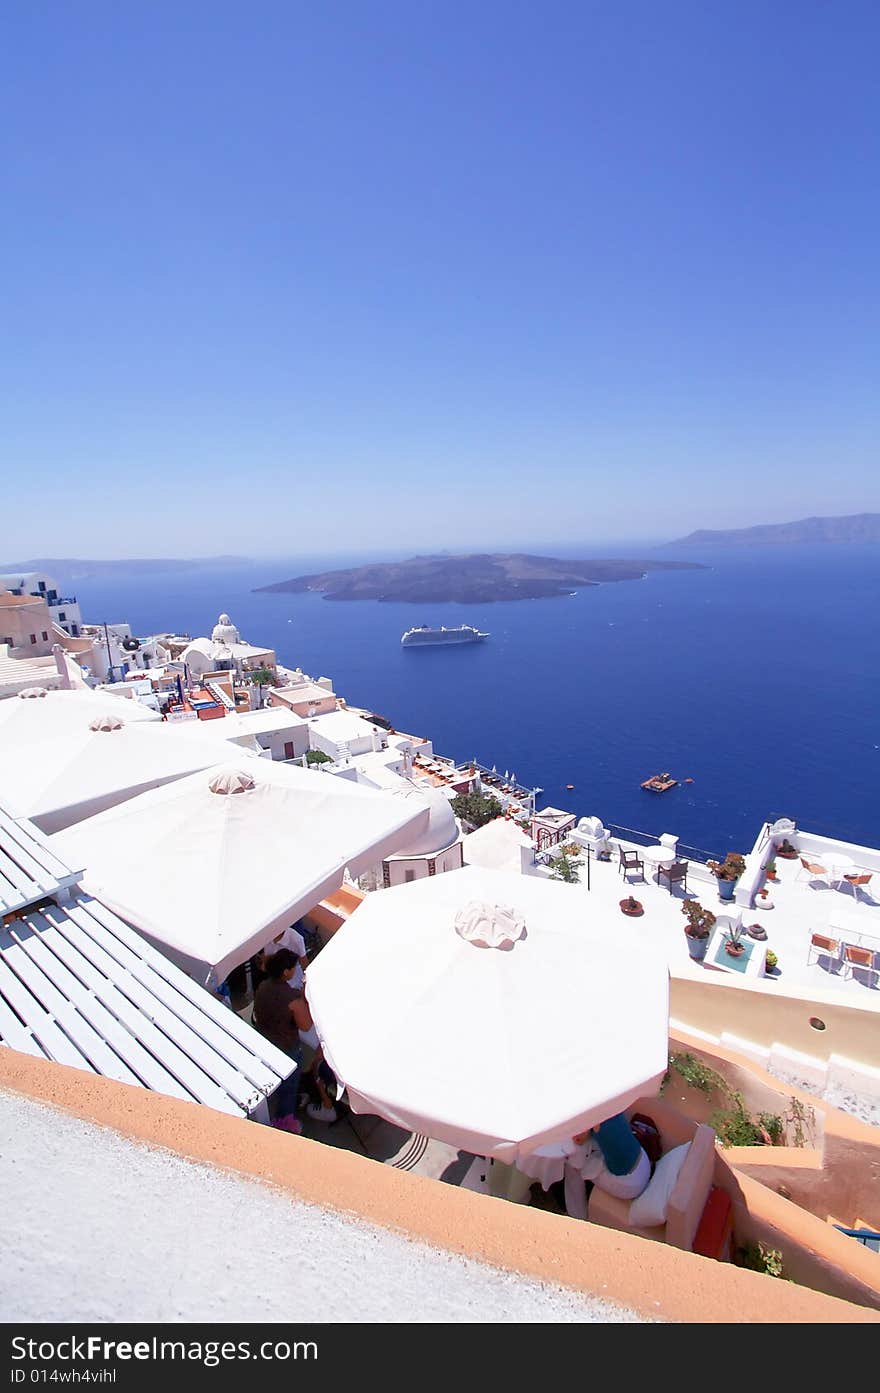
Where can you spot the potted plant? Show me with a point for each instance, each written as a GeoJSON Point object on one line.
{"type": "Point", "coordinates": [786, 850]}
{"type": "Point", "coordinates": [771, 870]}
{"type": "Point", "coordinates": [771, 964]}
{"type": "Point", "coordinates": [727, 873]}
{"type": "Point", "coordinates": [734, 946]}
{"type": "Point", "coordinates": [631, 906]}
{"type": "Point", "coordinates": [700, 923]}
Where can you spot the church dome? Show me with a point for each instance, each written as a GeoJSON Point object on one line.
{"type": "Point", "coordinates": [441, 832]}
{"type": "Point", "coordinates": [224, 631]}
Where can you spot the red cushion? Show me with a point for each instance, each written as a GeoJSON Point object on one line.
{"type": "Point", "coordinates": [713, 1234]}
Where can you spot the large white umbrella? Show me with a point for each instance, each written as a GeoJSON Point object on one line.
{"type": "Point", "coordinates": [38, 714]}
{"type": "Point", "coordinates": [212, 866]}
{"type": "Point", "coordinates": [494, 1049]}
{"type": "Point", "coordinates": [83, 766]}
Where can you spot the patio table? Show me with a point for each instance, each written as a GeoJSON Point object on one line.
{"type": "Point", "coordinates": [659, 856]}
{"type": "Point", "coordinates": [838, 866]}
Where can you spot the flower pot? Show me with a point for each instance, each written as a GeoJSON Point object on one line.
{"type": "Point", "coordinates": [726, 889]}
{"type": "Point", "coordinates": [632, 908]}
{"type": "Point", "coordinates": [697, 947]}
{"type": "Point", "coordinates": [734, 950]}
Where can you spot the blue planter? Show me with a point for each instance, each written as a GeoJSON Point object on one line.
{"type": "Point", "coordinates": [697, 947]}
{"type": "Point", "coordinates": [726, 889]}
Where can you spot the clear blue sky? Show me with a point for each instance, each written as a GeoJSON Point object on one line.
{"type": "Point", "coordinates": [434, 273]}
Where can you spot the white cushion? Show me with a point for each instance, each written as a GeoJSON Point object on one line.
{"type": "Point", "coordinates": [649, 1209]}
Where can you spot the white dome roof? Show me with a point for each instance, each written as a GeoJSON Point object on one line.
{"type": "Point", "coordinates": [224, 631]}
{"type": "Point", "coordinates": [441, 832]}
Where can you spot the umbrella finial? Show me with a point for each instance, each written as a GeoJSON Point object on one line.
{"type": "Point", "coordinates": [489, 925]}
{"type": "Point", "coordinates": [231, 781]}
{"type": "Point", "coordinates": [107, 722]}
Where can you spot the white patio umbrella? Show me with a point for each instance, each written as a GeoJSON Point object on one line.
{"type": "Point", "coordinates": [24, 719]}
{"type": "Point", "coordinates": [81, 767]}
{"type": "Point", "coordinates": [211, 866]}
{"type": "Point", "coordinates": [494, 1049]}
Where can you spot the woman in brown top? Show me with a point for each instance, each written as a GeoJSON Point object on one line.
{"type": "Point", "coordinates": [280, 1013]}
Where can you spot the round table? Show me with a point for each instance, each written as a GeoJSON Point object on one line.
{"type": "Point", "coordinates": [567, 1161]}
{"type": "Point", "coordinates": [838, 866]}
{"type": "Point", "coordinates": [659, 856]}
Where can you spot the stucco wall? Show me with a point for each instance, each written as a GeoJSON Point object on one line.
{"type": "Point", "coordinates": [768, 1015]}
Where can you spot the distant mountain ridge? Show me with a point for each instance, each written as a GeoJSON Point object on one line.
{"type": "Point", "coordinates": [856, 527]}
{"type": "Point", "coordinates": [77, 569]}
{"type": "Point", "coordinates": [472, 579]}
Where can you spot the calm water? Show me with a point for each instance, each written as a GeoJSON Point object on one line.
{"type": "Point", "coordinates": [757, 678]}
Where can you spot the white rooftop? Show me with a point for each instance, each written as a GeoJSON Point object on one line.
{"type": "Point", "coordinates": [342, 727]}
{"type": "Point", "coordinates": [240, 725]}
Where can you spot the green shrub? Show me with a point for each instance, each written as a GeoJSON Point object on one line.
{"type": "Point", "coordinates": [759, 1258]}
{"type": "Point", "coordinates": [697, 1074]}
{"type": "Point", "coordinates": [565, 867]}
{"type": "Point", "coordinates": [317, 757]}
{"type": "Point", "coordinates": [476, 808]}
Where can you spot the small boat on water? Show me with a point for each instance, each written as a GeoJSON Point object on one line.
{"type": "Point", "coordinates": [659, 783]}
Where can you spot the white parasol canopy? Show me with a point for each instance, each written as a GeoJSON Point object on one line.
{"type": "Point", "coordinates": [212, 866]}
{"type": "Point", "coordinates": [494, 1011]}
{"type": "Point", "coordinates": [78, 770]}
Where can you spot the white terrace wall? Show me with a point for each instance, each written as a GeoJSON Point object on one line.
{"type": "Point", "coordinates": [767, 1015]}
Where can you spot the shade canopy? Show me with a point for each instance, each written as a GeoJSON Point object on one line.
{"type": "Point", "coordinates": [211, 866]}
{"type": "Point", "coordinates": [83, 767]}
{"type": "Point", "coordinates": [497, 1032]}
{"type": "Point", "coordinates": [56, 712]}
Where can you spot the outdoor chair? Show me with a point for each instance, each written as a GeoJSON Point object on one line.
{"type": "Point", "coordinates": [857, 881]}
{"type": "Point", "coordinates": [676, 874]}
{"type": "Point", "coordinates": [854, 957]}
{"type": "Point", "coordinates": [812, 870]}
{"type": "Point", "coordinates": [823, 947]}
{"type": "Point", "coordinates": [630, 861]}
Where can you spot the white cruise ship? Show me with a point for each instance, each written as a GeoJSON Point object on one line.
{"type": "Point", "coordinates": [424, 635]}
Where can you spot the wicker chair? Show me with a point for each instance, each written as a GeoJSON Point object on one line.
{"type": "Point", "coordinates": [675, 874]}
{"type": "Point", "coordinates": [629, 861]}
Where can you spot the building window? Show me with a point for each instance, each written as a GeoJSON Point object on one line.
{"type": "Point", "coordinates": [74, 629]}
{"type": "Point", "coordinates": [288, 749]}
{"type": "Point", "coordinates": [408, 876]}
{"type": "Point", "coordinates": [61, 614]}
{"type": "Point", "coordinates": [45, 636]}
{"type": "Point", "coordinates": [41, 584]}
{"type": "Point", "coordinates": [33, 638]}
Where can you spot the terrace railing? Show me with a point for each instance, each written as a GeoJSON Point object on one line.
{"type": "Point", "coordinates": [688, 853]}
{"type": "Point", "coordinates": [867, 1237]}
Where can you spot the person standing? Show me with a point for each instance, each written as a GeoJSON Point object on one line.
{"type": "Point", "coordinates": [280, 1013]}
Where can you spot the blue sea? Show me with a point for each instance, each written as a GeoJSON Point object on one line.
{"type": "Point", "coordinates": [757, 678]}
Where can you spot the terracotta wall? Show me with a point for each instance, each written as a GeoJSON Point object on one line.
{"type": "Point", "coordinates": [659, 1282]}
{"type": "Point", "coordinates": [837, 1174]}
